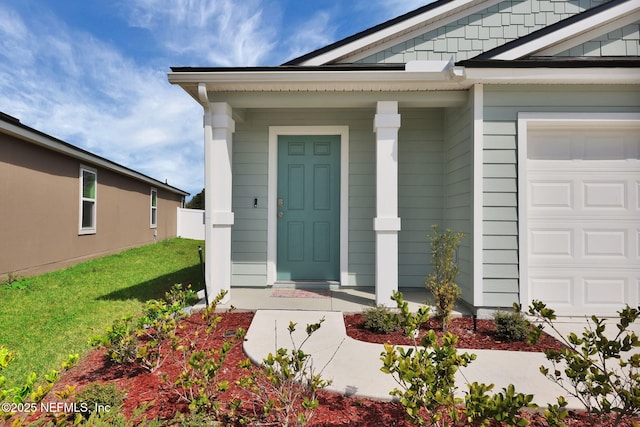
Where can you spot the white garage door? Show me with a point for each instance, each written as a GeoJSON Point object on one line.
{"type": "Point", "coordinates": [583, 219]}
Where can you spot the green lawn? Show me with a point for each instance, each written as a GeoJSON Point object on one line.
{"type": "Point", "coordinates": [57, 312]}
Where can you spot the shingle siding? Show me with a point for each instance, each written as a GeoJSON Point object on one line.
{"type": "Point", "coordinates": [485, 30]}
{"type": "Point", "coordinates": [621, 42]}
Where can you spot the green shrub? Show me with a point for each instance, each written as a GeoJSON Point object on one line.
{"type": "Point", "coordinates": [97, 397]}
{"type": "Point", "coordinates": [380, 319]}
{"type": "Point", "coordinates": [129, 342]}
{"type": "Point", "coordinates": [442, 281]}
{"type": "Point", "coordinates": [511, 325]}
{"type": "Point", "coordinates": [286, 387]}
{"type": "Point", "coordinates": [426, 371]}
{"type": "Point", "coordinates": [603, 373]}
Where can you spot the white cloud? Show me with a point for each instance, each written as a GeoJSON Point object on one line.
{"type": "Point", "coordinates": [218, 33]}
{"type": "Point", "coordinates": [310, 34]}
{"type": "Point", "coordinates": [83, 91]}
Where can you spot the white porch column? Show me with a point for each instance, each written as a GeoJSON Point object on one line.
{"type": "Point", "coordinates": [386, 223]}
{"type": "Point", "coordinates": [218, 131]}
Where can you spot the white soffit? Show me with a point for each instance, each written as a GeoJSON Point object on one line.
{"type": "Point", "coordinates": [400, 32]}
{"type": "Point", "coordinates": [576, 33]}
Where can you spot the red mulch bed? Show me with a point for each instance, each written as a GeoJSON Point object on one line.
{"type": "Point", "coordinates": [484, 337]}
{"type": "Point", "coordinates": [155, 389]}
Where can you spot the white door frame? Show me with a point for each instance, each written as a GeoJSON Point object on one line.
{"type": "Point", "coordinates": [527, 121]}
{"type": "Point", "coordinates": [272, 208]}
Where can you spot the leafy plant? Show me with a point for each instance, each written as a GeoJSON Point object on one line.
{"type": "Point", "coordinates": [30, 391]}
{"type": "Point", "coordinates": [442, 281]}
{"type": "Point", "coordinates": [504, 407]}
{"type": "Point", "coordinates": [380, 319]}
{"type": "Point", "coordinates": [512, 325]}
{"type": "Point", "coordinates": [98, 397]}
{"type": "Point", "coordinates": [426, 371]}
{"type": "Point", "coordinates": [198, 383]}
{"type": "Point", "coordinates": [425, 375]}
{"type": "Point", "coordinates": [594, 368]}
{"type": "Point", "coordinates": [286, 386]}
{"type": "Point", "coordinates": [15, 281]}
{"type": "Point", "coordinates": [141, 344]}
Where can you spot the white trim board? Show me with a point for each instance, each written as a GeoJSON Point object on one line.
{"type": "Point", "coordinates": [272, 223]}
{"type": "Point", "coordinates": [527, 121]}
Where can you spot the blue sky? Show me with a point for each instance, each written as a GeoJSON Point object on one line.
{"type": "Point", "coordinates": [94, 72]}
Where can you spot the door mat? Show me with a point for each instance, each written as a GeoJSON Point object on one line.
{"type": "Point", "coordinates": [301, 293]}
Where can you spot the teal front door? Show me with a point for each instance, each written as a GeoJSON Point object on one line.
{"type": "Point", "coordinates": [308, 208]}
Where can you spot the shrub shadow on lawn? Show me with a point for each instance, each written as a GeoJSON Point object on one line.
{"type": "Point", "coordinates": [156, 287]}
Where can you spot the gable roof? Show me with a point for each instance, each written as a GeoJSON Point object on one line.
{"type": "Point", "coordinates": [377, 35]}
{"type": "Point", "coordinates": [12, 126]}
{"type": "Point", "coordinates": [575, 25]}
{"type": "Point", "coordinates": [569, 32]}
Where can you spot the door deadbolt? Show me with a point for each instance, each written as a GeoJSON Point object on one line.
{"type": "Point", "coordinates": [280, 202]}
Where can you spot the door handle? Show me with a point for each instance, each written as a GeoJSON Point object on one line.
{"type": "Point", "coordinates": [280, 214]}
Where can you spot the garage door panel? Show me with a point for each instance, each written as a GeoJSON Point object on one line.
{"type": "Point", "coordinates": [586, 291]}
{"type": "Point", "coordinates": [557, 290]}
{"type": "Point", "coordinates": [600, 243]}
{"type": "Point", "coordinates": [551, 194]}
{"type": "Point", "coordinates": [551, 242]}
{"type": "Point", "coordinates": [598, 291]}
{"type": "Point", "coordinates": [599, 195]}
{"type": "Point", "coordinates": [583, 219]}
{"type": "Point", "coordinates": [579, 244]}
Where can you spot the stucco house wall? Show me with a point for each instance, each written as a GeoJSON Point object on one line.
{"type": "Point", "coordinates": [40, 209]}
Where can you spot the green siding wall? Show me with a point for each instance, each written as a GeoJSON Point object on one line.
{"type": "Point", "coordinates": [500, 183]}
{"type": "Point", "coordinates": [250, 176]}
{"type": "Point", "coordinates": [420, 192]}
{"type": "Point", "coordinates": [421, 183]}
{"type": "Point", "coordinates": [458, 176]}
{"type": "Point", "coordinates": [482, 31]}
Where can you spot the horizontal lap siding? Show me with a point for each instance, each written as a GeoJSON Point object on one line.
{"type": "Point", "coordinates": [249, 233]}
{"type": "Point", "coordinates": [500, 179]}
{"type": "Point", "coordinates": [420, 191]}
{"type": "Point", "coordinates": [362, 200]}
{"type": "Point", "coordinates": [458, 190]}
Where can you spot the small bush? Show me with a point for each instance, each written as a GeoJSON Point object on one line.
{"type": "Point", "coordinates": [442, 281]}
{"type": "Point", "coordinates": [511, 326]}
{"type": "Point", "coordinates": [380, 319]}
{"type": "Point", "coordinates": [99, 397]}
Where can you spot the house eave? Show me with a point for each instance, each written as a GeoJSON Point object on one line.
{"type": "Point", "coordinates": [412, 78]}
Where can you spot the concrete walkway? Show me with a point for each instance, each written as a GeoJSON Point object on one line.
{"type": "Point", "coordinates": [354, 366]}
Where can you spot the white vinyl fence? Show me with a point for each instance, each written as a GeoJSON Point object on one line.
{"type": "Point", "coordinates": [191, 223]}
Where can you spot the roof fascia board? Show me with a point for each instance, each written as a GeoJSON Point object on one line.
{"type": "Point", "coordinates": [40, 139]}
{"type": "Point", "coordinates": [311, 80]}
{"type": "Point", "coordinates": [569, 31]}
{"type": "Point", "coordinates": [589, 35]}
{"type": "Point", "coordinates": [434, 24]}
{"type": "Point", "coordinates": [548, 75]}
{"type": "Point", "coordinates": [377, 37]}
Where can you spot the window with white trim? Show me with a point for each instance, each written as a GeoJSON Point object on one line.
{"type": "Point", "coordinates": [154, 208]}
{"type": "Point", "coordinates": [88, 199]}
